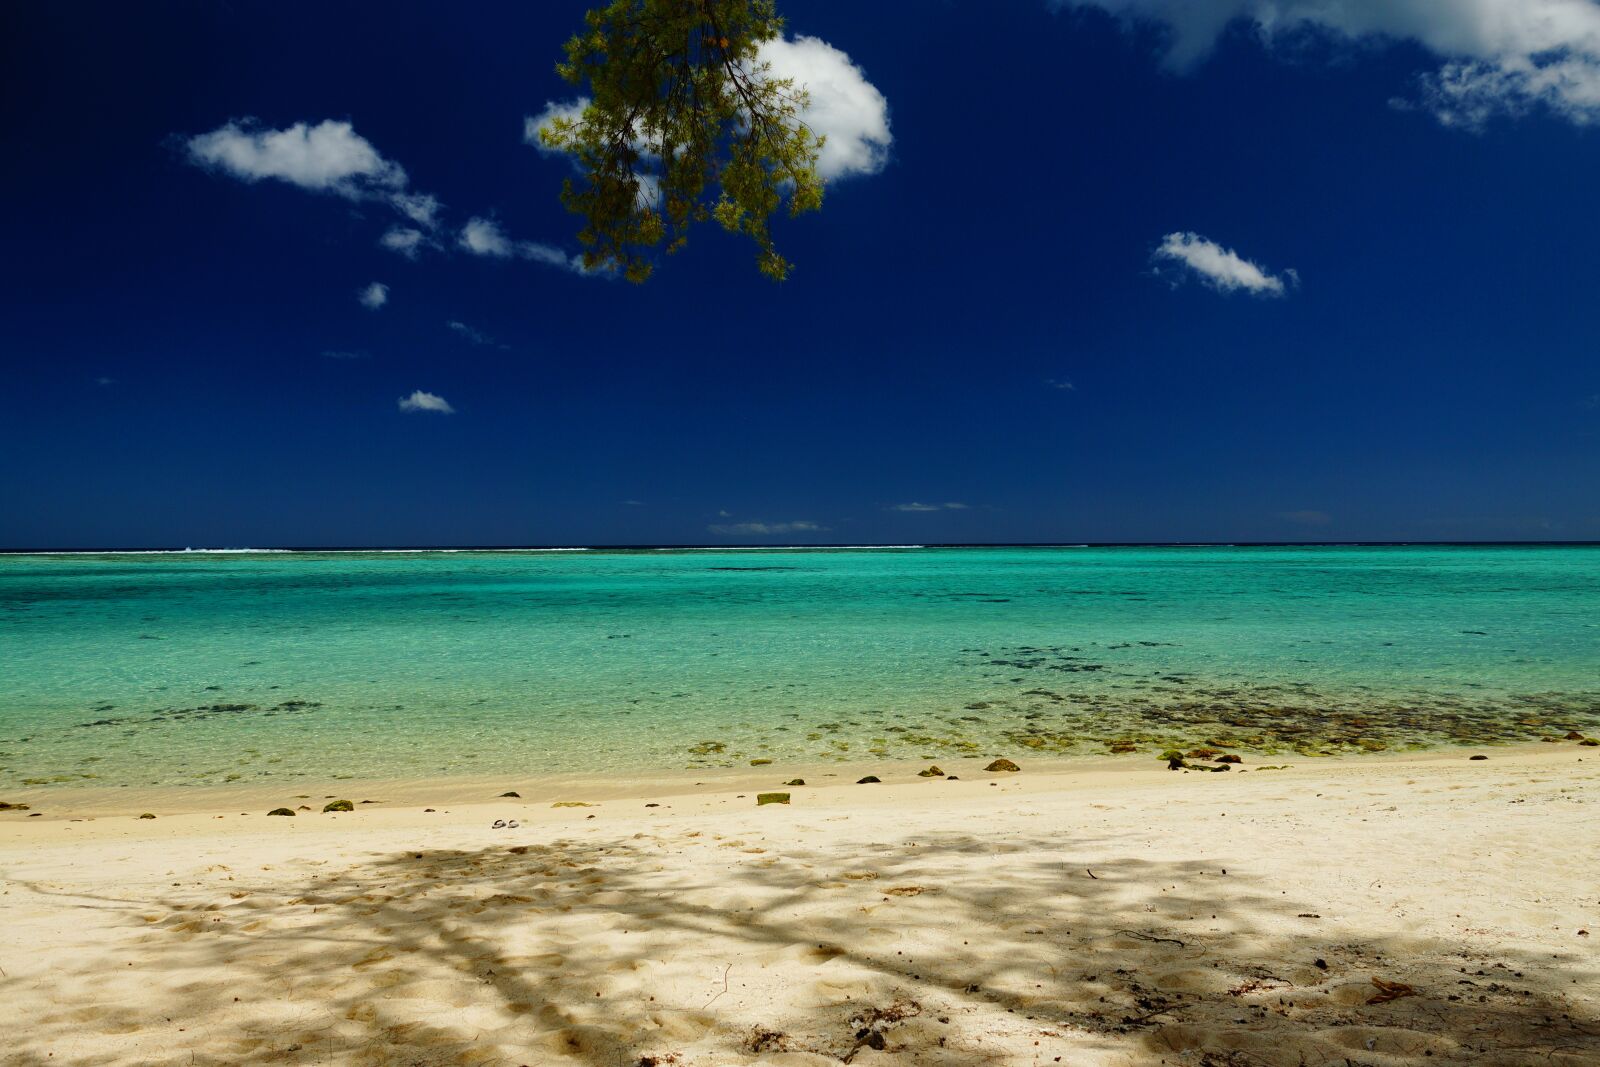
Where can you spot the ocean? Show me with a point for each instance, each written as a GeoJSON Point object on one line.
{"type": "Point", "coordinates": [208, 668]}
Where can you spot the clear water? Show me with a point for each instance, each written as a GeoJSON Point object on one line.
{"type": "Point", "coordinates": [203, 669]}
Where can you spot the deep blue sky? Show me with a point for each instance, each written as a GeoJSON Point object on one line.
{"type": "Point", "coordinates": [163, 328]}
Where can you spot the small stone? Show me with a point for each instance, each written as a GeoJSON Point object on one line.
{"type": "Point", "coordinates": [1229, 759]}
{"type": "Point", "coordinates": [771, 798]}
{"type": "Point", "coordinates": [868, 780]}
{"type": "Point", "coordinates": [147, 815]}
{"type": "Point", "coordinates": [1589, 742]}
{"type": "Point", "coordinates": [281, 811]}
{"type": "Point", "coordinates": [1573, 735]}
{"type": "Point", "coordinates": [1478, 757]}
{"type": "Point", "coordinates": [931, 772]}
{"type": "Point", "coordinates": [795, 781]}
{"type": "Point", "coordinates": [1002, 765]}
{"type": "Point", "coordinates": [759, 762]}
{"type": "Point", "coordinates": [510, 793]}
{"type": "Point", "coordinates": [338, 805]}
{"type": "Point", "coordinates": [951, 778]}
{"type": "Point", "coordinates": [12, 807]}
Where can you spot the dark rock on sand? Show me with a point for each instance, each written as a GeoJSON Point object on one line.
{"type": "Point", "coordinates": [931, 772]}
{"type": "Point", "coordinates": [868, 780]}
{"type": "Point", "coordinates": [338, 805]}
{"type": "Point", "coordinates": [1478, 757]}
{"type": "Point", "coordinates": [759, 762]}
{"type": "Point", "coordinates": [510, 793]}
{"type": "Point", "coordinates": [12, 807]}
{"type": "Point", "coordinates": [1002, 765]}
{"type": "Point", "coordinates": [771, 798]}
{"type": "Point", "coordinates": [282, 811]}
{"type": "Point", "coordinates": [795, 781]}
{"type": "Point", "coordinates": [147, 815]}
{"type": "Point", "coordinates": [1229, 759]}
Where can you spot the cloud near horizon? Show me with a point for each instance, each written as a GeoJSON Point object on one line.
{"type": "Point", "coordinates": [422, 401]}
{"type": "Point", "coordinates": [1221, 268]}
{"type": "Point", "coordinates": [917, 506]}
{"type": "Point", "coordinates": [1498, 57]}
{"type": "Point", "coordinates": [747, 529]}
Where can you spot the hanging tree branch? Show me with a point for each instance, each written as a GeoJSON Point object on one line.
{"type": "Point", "coordinates": [684, 124]}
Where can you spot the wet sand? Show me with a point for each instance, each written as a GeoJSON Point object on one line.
{"type": "Point", "coordinates": [1427, 908]}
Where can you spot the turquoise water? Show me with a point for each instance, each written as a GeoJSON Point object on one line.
{"type": "Point", "coordinates": [202, 668]}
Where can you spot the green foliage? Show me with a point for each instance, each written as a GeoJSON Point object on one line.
{"type": "Point", "coordinates": [684, 124]}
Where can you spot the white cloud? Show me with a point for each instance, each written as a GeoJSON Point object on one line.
{"type": "Point", "coordinates": [328, 157]}
{"type": "Point", "coordinates": [374, 296]}
{"type": "Point", "coordinates": [484, 237]}
{"type": "Point", "coordinates": [918, 506]}
{"type": "Point", "coordinates": [404, 240]}
{"type": "Point", "coordinates": [1499, 56]}
{"type": "Point", "coordinates": [1221, 268]}
{"type": "Point", "coordinates": [334, 353]}
{"type": "Point", "coordinates": [420, 208]}
{"type": "Point", "coordinates": [103, 381]}
{"type": "Point", "coordinates": [1060, 383]}
{"type": "Point", "coordinates": [845, 108]}
{"type": "Point", "coordinates": [747, 529]}
{"type": "Point", "coordinates": [475, 336]}
{"type": "Point", "coordinates": [421, 401]}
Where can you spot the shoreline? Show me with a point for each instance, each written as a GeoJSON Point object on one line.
{"type": "Point", "coordinates": [55, 803]}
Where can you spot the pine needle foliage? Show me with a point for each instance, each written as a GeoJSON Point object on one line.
{"type": "Point", "coordinates": [683, 124]}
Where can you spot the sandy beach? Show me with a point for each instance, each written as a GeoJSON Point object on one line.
{"type": "Point", "coordinates": [1380, 911]}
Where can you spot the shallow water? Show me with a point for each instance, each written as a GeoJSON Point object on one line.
{"type": "Point", "coordinates": [204, 669]}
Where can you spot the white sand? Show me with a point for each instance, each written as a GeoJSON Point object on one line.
{"type": "Point", "coordinates": [1085, 915]}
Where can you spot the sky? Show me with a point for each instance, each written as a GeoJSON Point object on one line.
{"type": "Point", "coordinates": [291, 274]}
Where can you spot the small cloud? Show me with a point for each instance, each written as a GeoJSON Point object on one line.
{"type": "Point", "coordinates": [421, 401]}
{"type": "Point", "coordinates": [484, 237]}
{"type": "Point", "coordinates": [1222, 269]}
{"type": "Point", "coordinates": [475, 336]}
{"type": "Point", "coordinates": [103, 381]}
{"type": "Point", "coordinates": [1306, 518]}
{"type": "Point", "coordinates": [374, 296]}
{"type": "Point", "coordinates": [724, 514]}
{"type": "Point", "coordinates": [633, 503]}
{"type": "Point", "coordinates": [403, 240]}
{"type": "Point", "coordinates": [750, 529]}
{"type": "Point", "coordinates": [331, 353]}
{"type": "Point", "coordinates": [1592, 401]}
{"type": "Point", "coordinates": [919, 506]}
{"type": "Point", "coordinates": [1060, 383]}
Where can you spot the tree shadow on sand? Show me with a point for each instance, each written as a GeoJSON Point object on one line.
{"type": "Point", "coordinates": [681, 948]}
